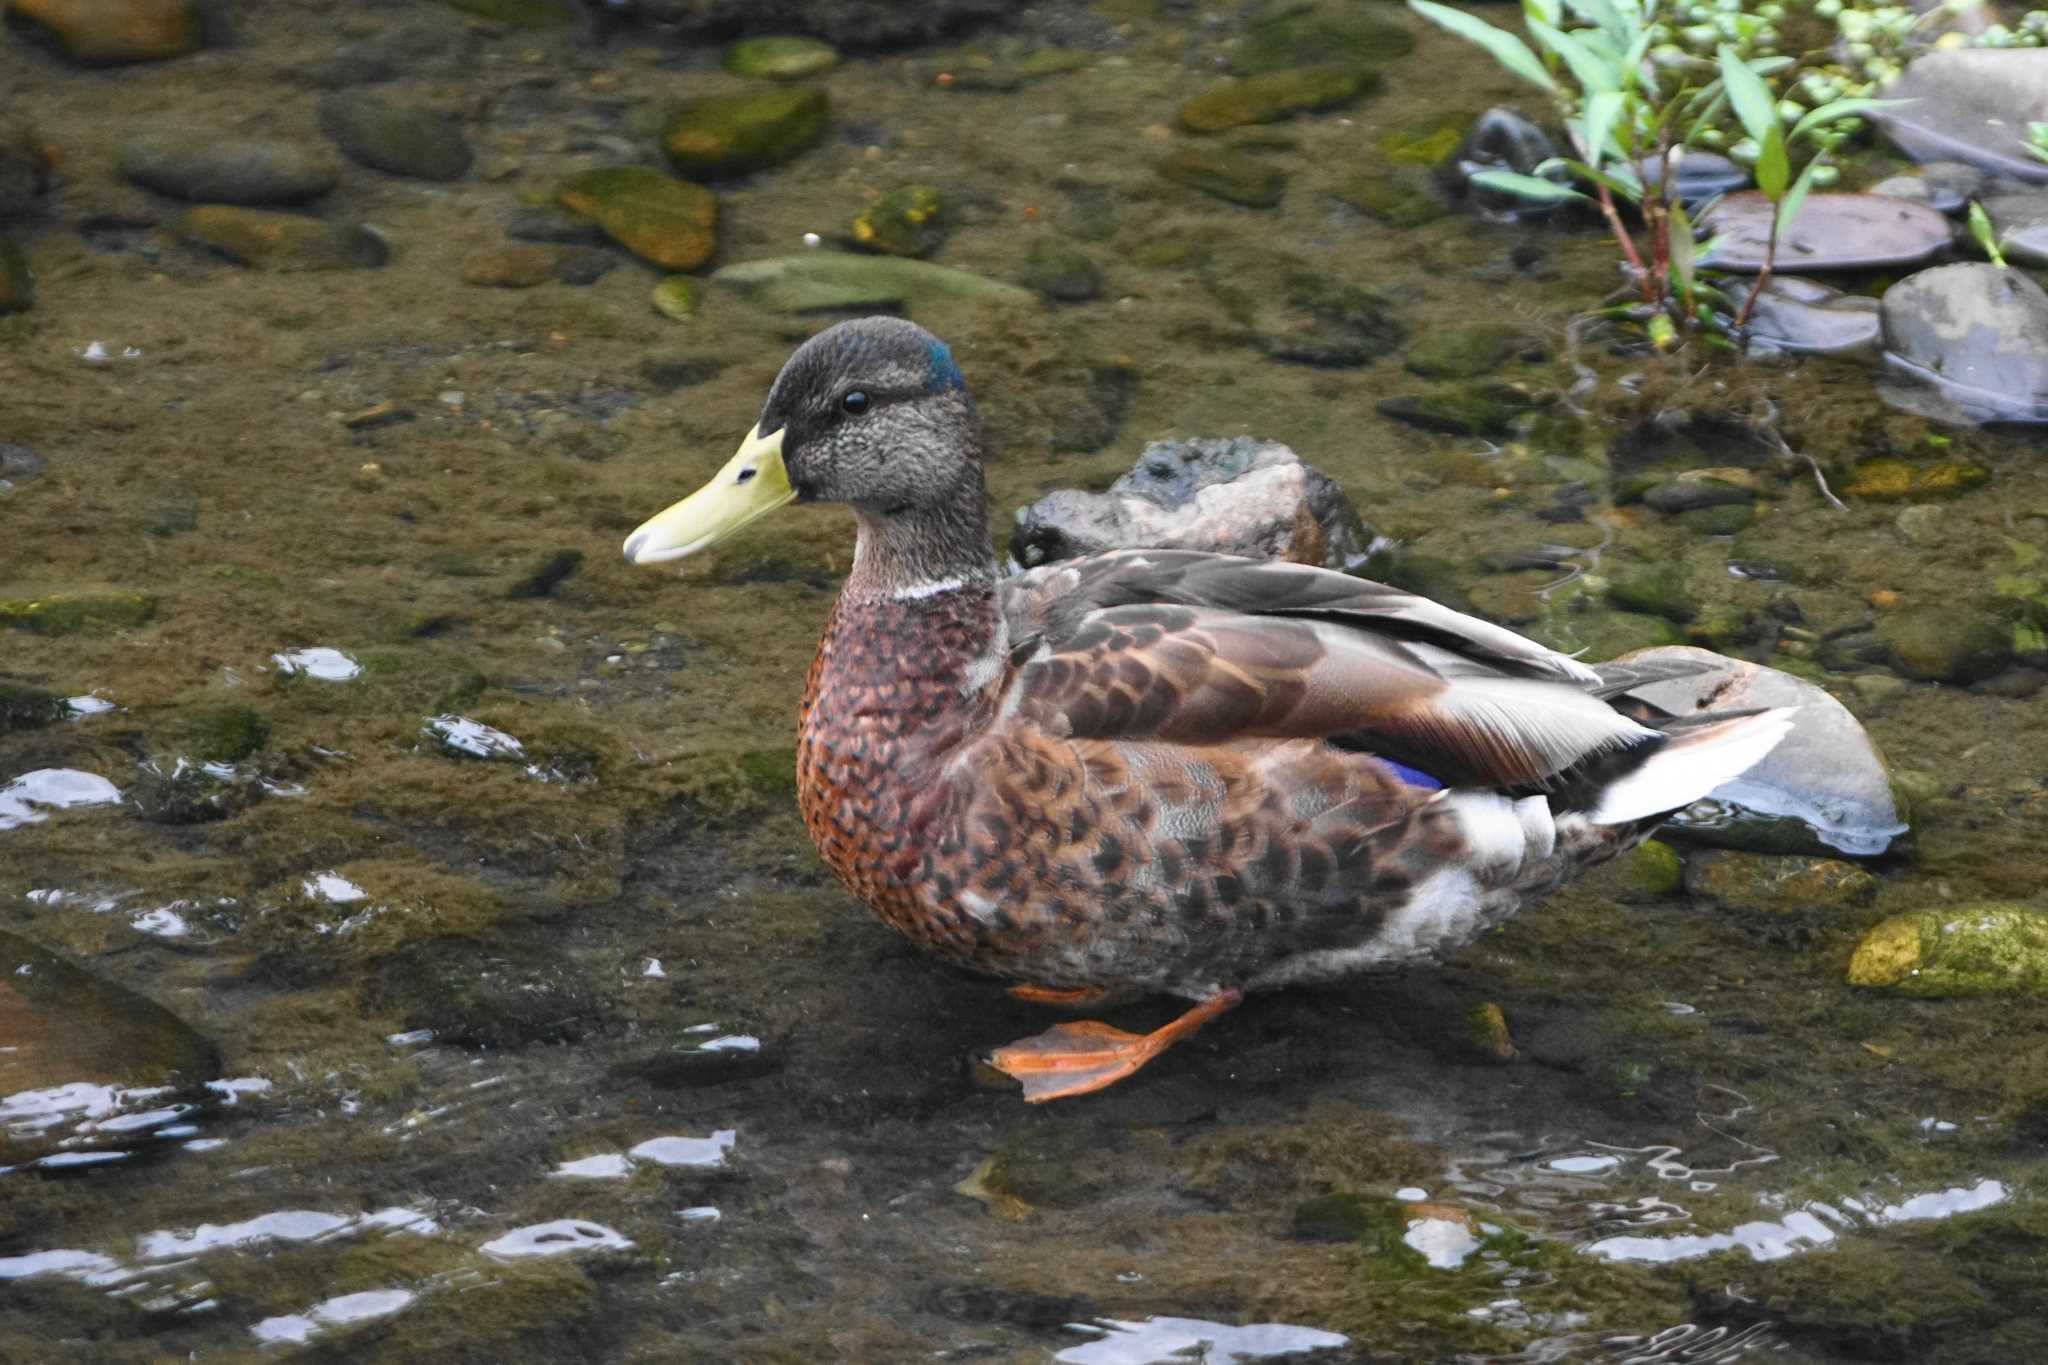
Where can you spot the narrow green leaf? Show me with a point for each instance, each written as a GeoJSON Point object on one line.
{"type": "Point", "coordinates": [1680, 244]}
{"type": "Point", "coordinates": [1836, 111]}
{"type": "Point", "coordinates": [1534, 188]}
{"type": "Point", "coordinates": [1773, 170]}
{"type": "Point", "coordinates": [1510, 51]}
{"type": "Point", "coordinates": [1716, 97]}
{"type": "Point", "coordinates": [1632, 60]}
{"type": "Point", "coordinates": [1986, 236]}
{"type": "Point", "coordinates": [1549, 11]}
{"type": "Point", "coordinates": [1788, 207]}
{"type": "Point", "coordinates": [1603, 107]}
{"type": "Point", "coordinates": [1754, 103]}
{"type": "Point", "coordinates": [1603, 15]}
{"type": "Point", "coordinates": [1590, 72]}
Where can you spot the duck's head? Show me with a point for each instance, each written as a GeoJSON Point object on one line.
{"type": "Point", "coordinates": [872, 413]}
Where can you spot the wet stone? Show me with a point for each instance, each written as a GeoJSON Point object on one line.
{"type": "Point", "coordinates": [1701, 488]}
{"type": "Point", "coordinates": [1502, 139]}
{"type": "Point", "coordinates": [780, 57]}
{"type": "Point", "coordinates": [1428, 142]}
{"type": "Point", "coordinates": [91, 1066]}
{"type": "Point", "coordinates": [721, 135]}
{"type": "Point", "coordinates": [1232, 176]}
{"type": "Point", "coordinates": [1986, 949]}
{"type": "Point", "coordinates": [1062, 271]}
{"type": "Point", "coordinates": [547, 574]}
{"type": "Point", "coordinates": [1832, 232]}
{"type": "Point", "coordinates": [1396, 199]}
{"type": "Point", "coordinates": [1328, 322]}
{"type": "Point", "coordinates": [399, 139]}
{"type": "Point", "coordinates": [1701, 176]}
{"type": "Point", "coordinates": [430, 45]}
{"type": "Point", "coordinates": [1651, 871]}
{"type": "Point", "coordinates": [210, 168]}
{"type": "Point", "coordinates": [1944, 186]}
{"type": "Point", "coordinates": [582, 265]}
{"type": "Point", "coordinates": [1461, 408]}
{"type": "Point", "coordinates": [907, 222]}
{"type": "Point", "coordinates": [1825, 788]}
{"type": "Point", "coordinates": [1471, 351]}
{"type": "Point", "coordinates": [1976, 334]}
{"type": "Point", "coordinates": [1238, 496]}
{"type": "Point", "coordinates": [677, 297]}
{"type": "Point", "coordinates": [842, 280]}
{"type": "Point", "coordinates": [662, 220]}
{"type": "Point", "coordinates": [267, 240]}
{"type": "Point", "coordinates": [2021, 221]}
{"type": "Point", "coordinates": [1659, 589]}
{"type": "Point", "coordinates": [555, 224]}
{"type": "Point", "coordinates": [510, 267]}
{"type": "Point", "coordinates": [28, 708]}
{"type": "Point", "coordinates": [1806, 317]}
{"type": "Point", "coordinates": [1953, 642]}
{"type": "Point", "coordinates": [1747, 881]}
{"type": "Point", "coordinates": [1891, 479]}
{"type": "Point", "coordinates": [78, 613]}
{"type": "Point", "coordinates": [112, 31]}
{"type": "Point", "coordinates": [1309, 35]}
{"type": "Point", "coordinates": [525, 15]}
{"type": "Point", "coordinates": [1275, 95]}
{"type": "Point", "coordinates": [1971, 105]}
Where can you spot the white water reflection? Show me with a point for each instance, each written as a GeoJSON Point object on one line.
{"type": "Point", "coordinates": [299, 1328]}
{"type": "Point", "coordinates": [333, 887]}
{"type": "Point", "coordinates": [662, 1151]}
{"type": "Point", "coordinates": [1803, 1229]}
{"type": "Point", "coordinates": [328, 665]}
{"type": "Point", "coordinates": [154, 1248]}
{"type": "Point", "coordinates": [558, 1238]}
{"type": "Point", "coordinates": [1173, 1341]}
{"type": "Point", "coordinates": [28, 798]}
{"type": "Point", "coordinates": [471, 737]}
{"type": "Point", "coordinates": [1443, 1242]}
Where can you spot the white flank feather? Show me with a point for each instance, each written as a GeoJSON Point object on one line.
{"type": "Point", "coordinates": [1691, 765]}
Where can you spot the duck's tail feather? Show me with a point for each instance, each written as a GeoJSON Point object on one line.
{"type": "Point", "coordinates": [1699, 756]}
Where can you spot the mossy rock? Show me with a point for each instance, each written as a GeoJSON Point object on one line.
{"type": "Point", "coordinates": [1723, 520]}
{"type": "Point", "coordinates": [1396, 200]}
{"type": "Point", "coordinates": [1275, 95]}
{"type": "Point", "coordinates": [28, 708]}
{"type": "Point", "coordinates": [17, 281]}
{"type": "Point", "coordinates": [78, 613]}
{"type": "Point", "coordinates": [815, 280]}
{"type": "Point", "coordinates": [1319, 319]}
{"type": "Point", "coordinates": [1428, 142]}
{"type": "Point", "coordinates": [1651, 871]}
{"type": "Point", "coordinates": [1606, 634]}
{"type": "Point", "coordinates": [266, 240]}
{"type": "Point", "coordinates": [520, 14]}
{"type": "Point", "coordinates": [1472, 351]}
{"type": "Point", "coordinates": [1310, 35]}
{"type": "Point", "coordinates": [1462, 408]}
{"type": "Point", "coordinates": [517, 266]}
{"type": "Point", "coordinates": [1990, 949]}
{"type": "Point", "coordinates": [1889, 479]}
{"type": "Point", "coordinates": [667, 222]}
{"type": "Point", "coordinates": [224, 734]}
{"type": "Point", "coordinates": [677, 297]}
{"type": "Point", "coordinates": [1657, 589]}
{"type": "Point", "coordinates": [1232, 176]}
{"type": "Point", "coordinates": [780, 57]}
{"type": "Point", "coordinates": [1062, 271]}
{"type": "Point", "coordinates": [1747, 881]}
{"type": "Point", "coordinates": [396, 138]}
{"type": "Point", "coordinates": [718, 135]}
{"type": "Point", "coordinates": [910, 221]}
{"type": "Point", "coordinates": [1954, 643]}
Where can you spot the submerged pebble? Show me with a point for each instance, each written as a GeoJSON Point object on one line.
{"type": "Point", "coordinates": [1977, 335]}
{"type": "Point", "coordinates": [842, 280]}
{"type": "Point", "coordinates": [1994, 949]}
{"type": "Point", "coordinates": [780, 57]}
{"type": "Point", "coordinates": [212, 168]}
{"type": "Point", "coordinates": [722, 135]}
{"type": "Point", "coordinates": [394, 137]}
{"type": "Point", "coordinates": [113, 31]}
{"type": "Point", "coordinates": [662, 220]}
{"type": "Point", "coordinates": [1832, 232]}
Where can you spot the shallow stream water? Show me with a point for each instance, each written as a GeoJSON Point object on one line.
{"type": "Point", "coordinates": [488, 1003]}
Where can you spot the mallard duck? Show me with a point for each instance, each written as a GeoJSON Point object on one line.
{"type": "Point", "coordinates": [1160, 771]}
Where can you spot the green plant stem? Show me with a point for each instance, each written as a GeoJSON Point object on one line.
{"type": "Point", "coordinates": [1628, 244]}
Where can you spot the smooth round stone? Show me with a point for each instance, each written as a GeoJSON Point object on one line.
{"type": "Point", "coordinates": [1944, 186]}
{"type": "Point", "coordinates": [1971, 105]}
{"type": "Point", "coordinates": [1832, 232]}
{"type": "Point", "coordinates": [1701, 175]}
{"type": "Point", "coordinates": [780, 57]}
{"type": "Point", "coordinates": [398, 139]}
{"type": "Point", "coordinates": [268, 240]}
{"type": "Point", "coordinates": [1503, 139]}
{"type": "Point", "coordinates": [662, 220]}
{"type": "Point", "coordinates": [816, 280]}
{"type": "Point", "coordinates": [1231, 176]}
{"type": "Point", "coordinates": [510, 267]}
{"type": "Point", "coordinates": [1975, 333]}
{"type": "Point", "coordinates": [1806, 317]}
{"type": "Point", "coordinates": [1824, 789]}
{"type": "Point", "coordinates": [719, 135]}
{"type": "Point", "coordinates": [1275, 95]}
{"type": "Point", "coordinates": [2021, 221]}
{"type": "Point", "coordinates": [677, 297]}
{"type": "Point", "coordinates": [207, 168]}
{"type": "Point", "coordinates": [116, 30]}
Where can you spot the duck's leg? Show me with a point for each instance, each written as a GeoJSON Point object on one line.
{"type": "Point", "coordinates": [1051, 995]}
{"type": "Point", "coordinates": [1073, 1059]}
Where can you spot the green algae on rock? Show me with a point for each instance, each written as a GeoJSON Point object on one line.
{"type": "Point", "coordinates": [906, 222]}
{"type": "Point", "coordinates": [1471, 351]}
{"type": "Point", "coordinates": [1398, 200]}
{"type": "Point", "coordinates": [1887, 478]}
{"type": "Point", "coordinates": [667, 222]}
{"type": "Point", "coordinates": [1428, 142]}
{"type": "Point", "coordinates": [1275, 95]}
{"type": "Point", "coordinates": [78, 613]}
{"type": "Point", "coordinates": [28, 708]}
{"type": "Point", "coordinates": [268, 240]}
{"type": "Point", "coordinates": [113, 31]}
{"type": "Point", "coordinates": [519, 266]}
{"type": "Point", "coordinates": [718, 135]}
{"type": "Point", "coordinates": [841, 280]}
{"type": "Point", "coordinates": [1650, 871]}
{"type": "Point", "coordinates": [1748, 881]}
{"type": "Point", "coordinates": [1954, 642]}
{"type": "Point", "coordinates": [677, 297]}
{"type": "Point", "coordinates": [1990, 949]}
{"type": "Point", "coordinates": [1059, 270]}
{"type": "Point", "coordinates": [399, 139]}
{"type": "Point", "coordinates": [1308, 35]}
{"type": "Point", "coordinates": [1461, 407]}
{"type": "Point", "coordinates": [17, 281]}
{"type": "Point", "coordinates": [780, 57]}
{"type": "Point", "coordinates": [1234, 176]}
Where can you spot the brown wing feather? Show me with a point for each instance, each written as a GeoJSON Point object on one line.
{"type": "Point", "coordinates": [1470, 710]}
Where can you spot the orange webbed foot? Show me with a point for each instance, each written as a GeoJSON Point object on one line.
{"type": "Point", "coordinates": [1050, 995]}
{"type": "Point", "coordinates": [1073, 1059]}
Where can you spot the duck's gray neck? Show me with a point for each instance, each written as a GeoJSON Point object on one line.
{"type": "Point", "coordinates": [909, 555]}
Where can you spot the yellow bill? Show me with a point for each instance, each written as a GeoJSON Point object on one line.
{"type": "Point", "coordinates": [752, 484]}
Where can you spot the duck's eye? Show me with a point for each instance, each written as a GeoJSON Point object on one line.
{"type": "Point", "coordinates": [855, 400]}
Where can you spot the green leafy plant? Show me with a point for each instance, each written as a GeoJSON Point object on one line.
{"type": "Point", "coordinates": [1630, 115]}
{"type": "Point", "coordinates": [1985, 235]}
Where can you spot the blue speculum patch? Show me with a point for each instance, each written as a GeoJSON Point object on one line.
{"type": "Point", "coordinates": [1412, 776]}
{"type": "Point", "coordinates": [942, 372]}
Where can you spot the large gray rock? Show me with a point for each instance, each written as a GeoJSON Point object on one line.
{"type": "Point", "coordinates": [1237, 496]}
{"type": "Point", "coordinates": [1824, 789]}
{"type": "Point", "coordinates": [2022, 224]}
{"type": "Point", "coordinates": [1972, 105]}
{"type": "Point", "coordinates": [1806, 317]}
{"type": "Point", "coordinates": [208, 168]}
{"type": "Point", "coordinates": [1832, 232]}
{"type": "Point", "coordinates": [1978, 335]}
